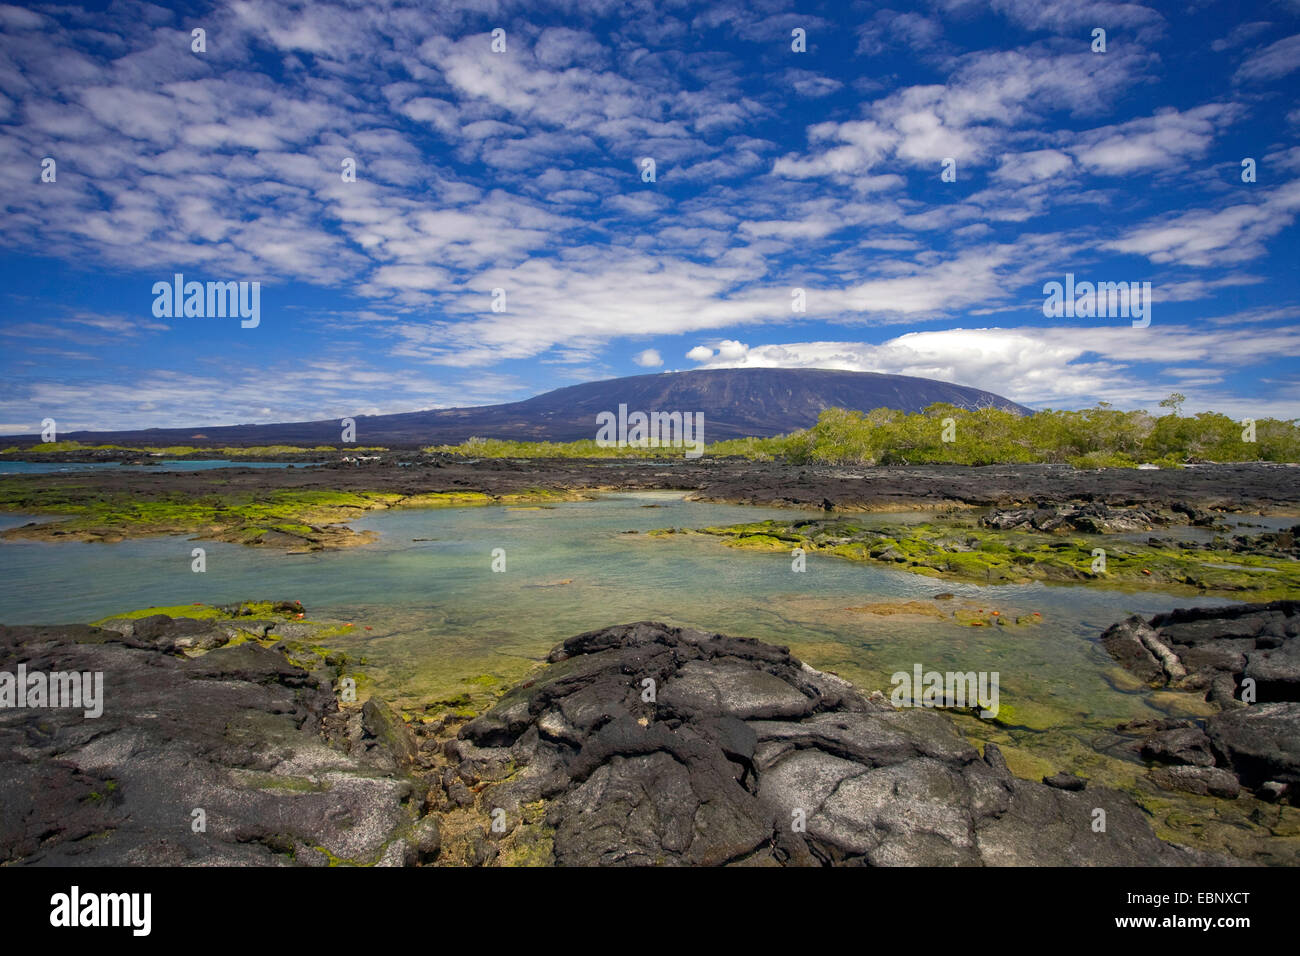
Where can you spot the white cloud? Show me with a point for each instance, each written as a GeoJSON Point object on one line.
{"type": "Point", "coordinates": [1272, 62]}
{"type": "Point", "coordinates": [308, 388]}
{"type": "Point", "coordinates": [1033, 166]}
{"type": "Point", "coordinates": [965, 118]}
{"type": "Point", "coordinates": [478, 171]}
{"type": "Point", "coordinates": [1203, 237]}
{"type": "Point", "coordinates": [1068, 15]}
{"type": "Point", "coordinates": [1240, 34]}
{"type": "Point", "coordinates": [648, 359]}
{"type": "Point", "coordinates": [1067, 366]}
{"type": "Point", "coordinates": [1169, 138]}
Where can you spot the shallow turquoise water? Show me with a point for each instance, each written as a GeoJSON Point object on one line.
{"type": "Point", "coordinates": [439, 615]}
{"type": "Point", "coordinates": [434, 623]}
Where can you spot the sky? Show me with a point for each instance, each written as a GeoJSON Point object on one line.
{"type": "Point", "coordinates": [921, 172]}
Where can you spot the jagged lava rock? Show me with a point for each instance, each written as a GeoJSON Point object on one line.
{"type": "Point", "coordinates": [653, 744]}
{"type": "Point", "coordinates": [1213, 651]}
{"type": "Point", "coordinates": [239, 733]}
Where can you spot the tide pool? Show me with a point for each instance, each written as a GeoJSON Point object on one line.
{"type": "Point", "coordinates": [434, 628]}
{"type": "Point", "coordinates": [441, 617]}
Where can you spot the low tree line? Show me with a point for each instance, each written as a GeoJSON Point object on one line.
{"type": "Point", "coordinates": [1099, 437]}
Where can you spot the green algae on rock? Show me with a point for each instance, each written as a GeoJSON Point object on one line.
{"type": "Point", "coordinates": [296, 520]}
{"type": "Point", "coordinates": [988, 556]}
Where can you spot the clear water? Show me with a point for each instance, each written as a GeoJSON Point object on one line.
{"type": "Point", "coordinates": [435, 623]}
{"type": "Point", "coordinates": [164, 464]}
{"type": "Point", "coordinates": [439, 615]}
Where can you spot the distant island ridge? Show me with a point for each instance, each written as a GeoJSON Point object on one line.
{"type": "Point", "coordinates": [736, 403]}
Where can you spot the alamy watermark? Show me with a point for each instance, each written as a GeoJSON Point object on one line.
{"type": "Point", "coordinates": [70, 689]}
{"type": "Point", "coordinates": [651, 430]}
{"type": "Point", "coordinates": [951, 689]}
{"type": "Point", "coordinates": [1103, 300]}
{"type": "Point", "coordinates": [75, 908]}
{"type": "Point", "coordinates": [213, 300]}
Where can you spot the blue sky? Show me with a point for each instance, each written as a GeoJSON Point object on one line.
{"type": "Point", "coordinates": [522, 170]}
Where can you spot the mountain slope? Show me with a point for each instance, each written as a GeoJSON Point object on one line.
{"type": "Point", "coordinates": [735, 403]}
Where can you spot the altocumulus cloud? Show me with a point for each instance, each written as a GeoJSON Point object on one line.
{"type": "Point", "coordinates": [522, 171]}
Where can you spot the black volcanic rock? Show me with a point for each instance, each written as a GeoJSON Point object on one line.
{"type": "Point", "coordinates": [1260, 744]}
{"type": "Point", "coordinates": [1093, 517]}
{"type": "Point", "coordinates": [746, 756]}
{"type": "Point", "coordinates": [241, 733]}
{"type": "Point", "coordinates": [1213, 651]}
{"type": "Point", "coordinates": [576, 765]}
{"type": "Point", "coordinates": [735, 402]}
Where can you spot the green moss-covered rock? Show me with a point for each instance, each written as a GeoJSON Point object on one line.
{"type": "Point", "coordinates": [990, 556]}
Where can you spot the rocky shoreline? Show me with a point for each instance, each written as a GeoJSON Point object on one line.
{"type": "Point", "coordinates": [642, 744]}
{"type": "Point", "coordinates": [221, 743]}
{"type": "Point", "coordinates": [1246, 660]}
{"type": "Point", "coordinates": [746, 756]}
{"type": "Point", "coordinates": [1045, 544]}
{"type": "Point", "coordinates": [303, 509]}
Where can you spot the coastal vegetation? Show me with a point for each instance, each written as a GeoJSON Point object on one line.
{"type": "Point", "coordinates": [1100, 437]}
